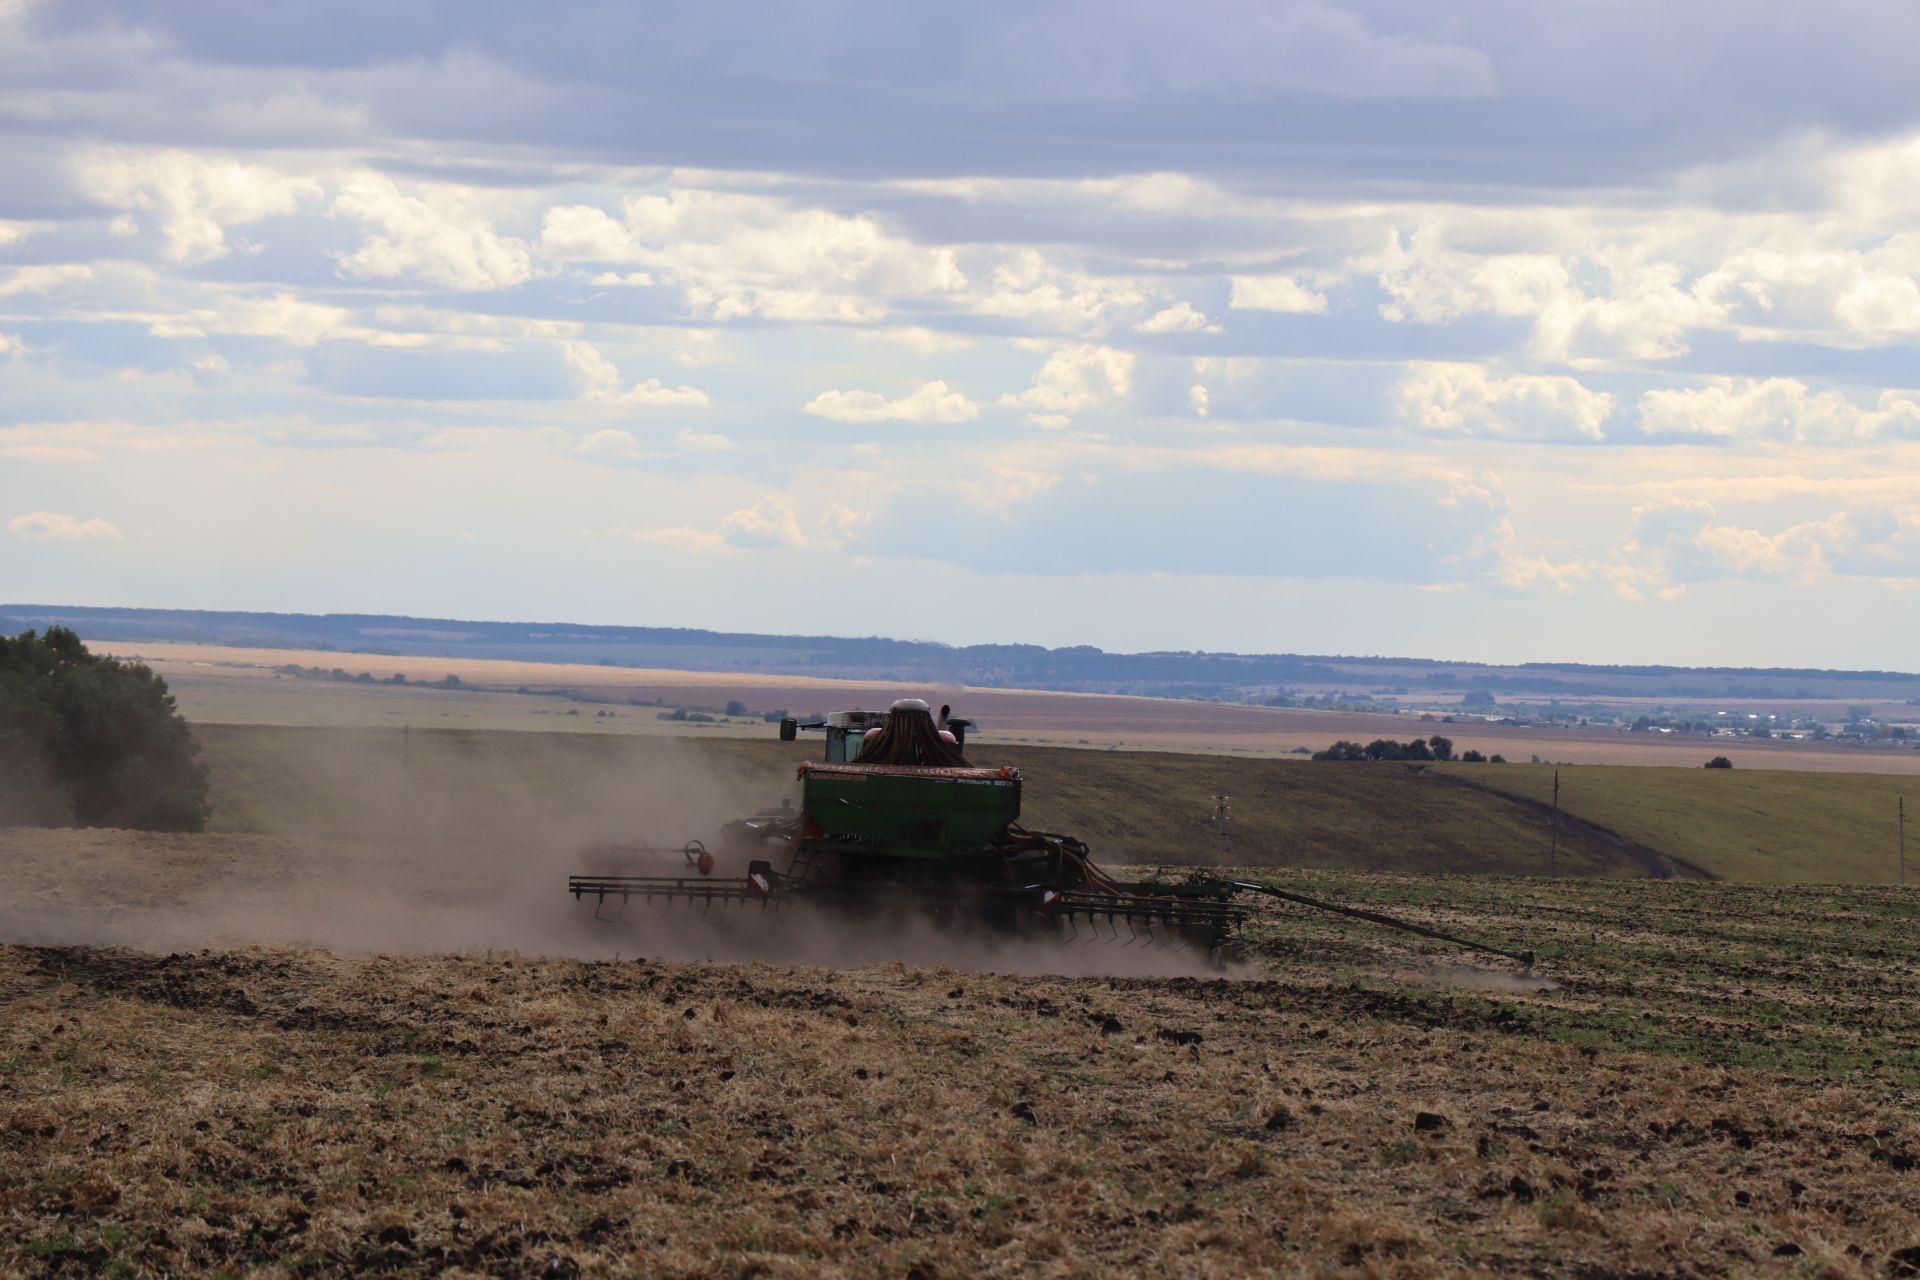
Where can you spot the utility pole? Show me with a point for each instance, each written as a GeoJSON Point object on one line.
{"type": "Point", "coordinates": [1903, 841]}
{"type": "Point", "coordinates": [1553, 854]}
{"type": "Point", "coordinates": [406, 780]}
{"type": "Point", "coordinates": [1222, 814]}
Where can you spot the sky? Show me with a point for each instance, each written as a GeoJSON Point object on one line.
{"type": "Point", "coordinates": [1470, 329]}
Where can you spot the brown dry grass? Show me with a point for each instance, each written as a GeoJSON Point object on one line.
{"type": "Point", "coordinates": [1717, 1080]}
{"type": "Point", "coordinates": [296, 1112]}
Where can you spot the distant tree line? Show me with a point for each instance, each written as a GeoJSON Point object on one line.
{"type": "Point", "coordinates": [1434, 748]}
{"type": "Point", "coordinates": [91, 741]}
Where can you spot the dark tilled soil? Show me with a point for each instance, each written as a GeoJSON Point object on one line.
{"type": "Point", "coordinates": [1705, 1081]}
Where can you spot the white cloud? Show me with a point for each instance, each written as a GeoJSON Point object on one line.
{"type": "Point", "coordinates": [1025, 284]}
{"type": "Point", "coordinates": [767, 523]}
{"type": "Point", "coordinates": [1430, 282]}
{"type": "Point", "coordinates": [198, 197]}
{"type": "Point", "coordinates": [449, 329]}
{"type": "Point", "coordinates": [603, 383]}
{"type": "Point", "coordinates": [286, 316]}
{"type": "Point", "coordinates": [840, 524]}
{"type": "Point", "coordinates": [1528, 572]}
{"type": "Point", "coordinates": [656, 393]}
{"type": "Point", "coordinates": [1073, 380]}
{"type": "Point", "coordinates": [1646, 313]}
{"type": "Point", "coordinates": [610, 443]}
{"type": "Point", "coordinates": [1464, 399]}
{"type": "Point", "coordinates": [1199, 400]}
{"type": "Point", "coordinates": [1728, 409]}
{"type": "Point", "coordinates": [43, 278]}
{"type": "Point", "coordinates": [920, 339]}
{"type": "Point", "coordinates": [682, 538]}
{"type": "Point", "coordinates": [739, 255]}
{"type": "Point", "coordinates": [1826, 282]}
{"type": "Point", "coordinates": [687, 440]}
{"type": "Point", "coordinates": [52, 526]}
{"type": "Point", "coordinates": [1678, 541]}
{"type": "Point", "coordinates": [1275, 293]}
{"type": "Point", "coordinates": [1001, 488]}
{"type": "Point", "coordinates": [933, 402]}
{"type": "Point", "coordinates": [582, 233]}
{"type": "Point", "coordinates": [1178, 318]}
{"type": "Point", "coordinates": [694, 347]}
{"type": "Point", "coordinates": [438, 236]}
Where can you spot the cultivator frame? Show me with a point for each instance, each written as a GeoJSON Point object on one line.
{"type": "Point", "coordinates": [1151, 919]}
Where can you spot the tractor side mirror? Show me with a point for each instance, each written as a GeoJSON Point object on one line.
{"type": "Point", "coordinates": [958, 728]}
{"type": "Point", "coordinates": [789, 729]}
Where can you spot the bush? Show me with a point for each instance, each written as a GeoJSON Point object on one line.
{"type": "Point", "coordinates": [736, 708]}
{"type": "Point", "coordinates": [1718, 762]}
{"type": "Point", "coordinates": [92, 741]}
{"type": "Point", "coordinates": [1434, 748]}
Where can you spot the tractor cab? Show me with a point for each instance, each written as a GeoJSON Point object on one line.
{"type": "Point", "coordinates": [846, 731]}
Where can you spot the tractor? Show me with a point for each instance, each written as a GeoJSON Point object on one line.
{"type": "Point", "coordinates": [894, 823]}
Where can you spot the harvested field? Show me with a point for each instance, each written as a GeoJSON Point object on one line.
{"type": "Point", "coordinates": [363, 1031]}
{"type": "Point", "coordinates": [1715, 1080]}
{"type": "Point", "coordinates": [1744, 824]}
{"type": "Point", "coordinates": [216, 684]}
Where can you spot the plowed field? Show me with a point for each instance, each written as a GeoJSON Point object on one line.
{"type": "Point", "coordinates": [1701, 1080]}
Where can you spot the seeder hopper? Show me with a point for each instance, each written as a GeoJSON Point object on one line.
{"type": "Point", "coordinates": [896, 825]}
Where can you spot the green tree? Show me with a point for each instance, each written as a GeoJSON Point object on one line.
{"type": "Point", "coordinates": [90, 740]}
{"type": "Point", "coordinates": [1442, 747]}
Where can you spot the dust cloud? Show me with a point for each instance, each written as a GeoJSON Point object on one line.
{"type": "Point", "coordinates": [1532, 982]}
{"type": "Point", "coordinates": [435, 842]}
